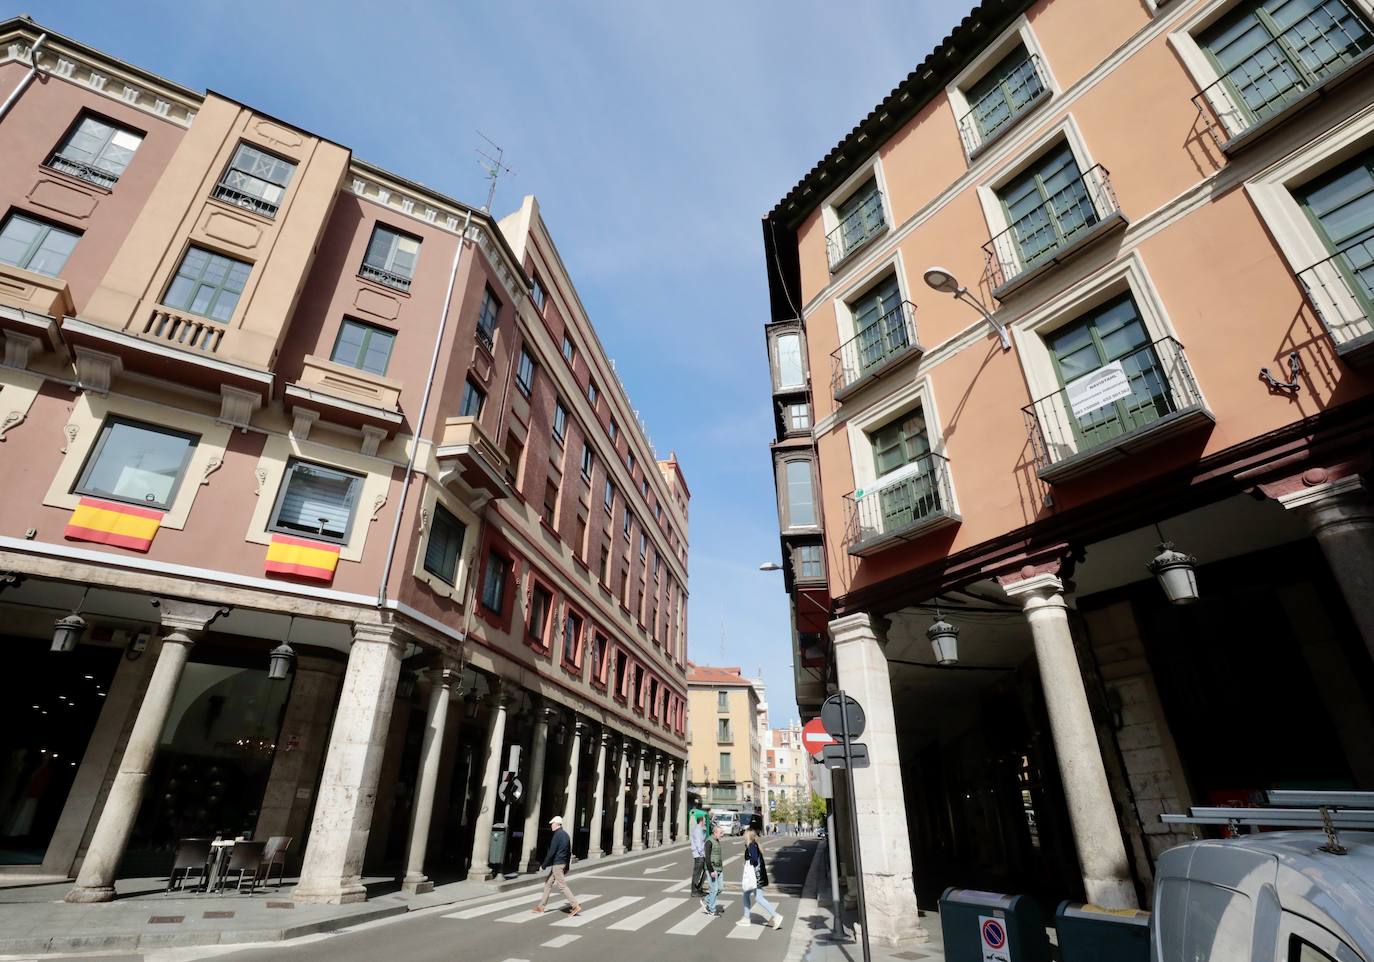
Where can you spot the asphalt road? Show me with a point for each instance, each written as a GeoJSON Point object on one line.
{"type": "Point", "coordinates": [632, 911]}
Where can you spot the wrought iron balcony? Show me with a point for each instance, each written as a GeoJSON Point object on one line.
{"type": "Point", "coordinates": [857, 228]}
{"type": "Point", "coordinates": [1326, 43]}
{"type": "Point", "coordinates": [986, 121]}
{"type": "Point", "coordinates": [904, 508]}
{"type": "Point", "coordinates": [87, 172]}
{"type": "Point", "coordinates": [875, 348]}
{"type": "Point", "coordinates": [245, 200]}
{"type": "Point", "coordinates": [1053, 231]}
{"type": "Point", "coordinates": [386, 278]}
{"type": "Point", "coordinates": [1137, 400]}
{"type": "Point", "coordinates": [1341, 292]}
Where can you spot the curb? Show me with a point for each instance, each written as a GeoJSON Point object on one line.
{"type": "Point", "coordinates": [802, 936]}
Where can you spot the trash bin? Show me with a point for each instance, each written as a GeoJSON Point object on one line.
{"type": "Point", "coordinates": [986, 925]}
{"type": "Point", "coordinates": [1090, 933]}
{"type": "Point", "coordinates": [497, 854]}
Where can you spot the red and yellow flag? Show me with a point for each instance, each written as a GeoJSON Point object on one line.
{"type": "Point", "coordinates": [109, 522]}
{"type": "Point", "coordinates": [301, 557]}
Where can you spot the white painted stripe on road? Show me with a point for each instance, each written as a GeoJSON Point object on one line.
{"type": "Point", "coordinates": [697, 921]}
{"type": "Point", "coordinates": [661, 868]}
{"type": "Point", "coordinates": [679, 886]}
{"type": "Point", "coordinates": [489, 908]}
{"type": "Point", "coordinates": [606, 908]}
{"type": "Point", "coordinates": [560, 941]}
{"type": "Point", "coordinates": [644, 916]}
{"type": "Point", "coordinates": [529, 916]}
{"type": "Point", "coordinates": [751, 933]}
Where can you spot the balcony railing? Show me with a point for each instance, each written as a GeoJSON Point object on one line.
{"type": "Point", "coordinates": [884, 341]}
{"type": "Point", "coordinates": [857, 228]}
{"type": "Point", "coordinates": [386, 278]}
{"type": "Point", "coordinates": [901, 508]}
{"type": "Point", "coordinates": [1136, 400]}
{"type": "Point", "coordinates": [245, 200]}
{"type": "Point", "coordinates": [196, 333]}
{"type": "Point", "coordinates": [985, 120]}
{"type": "Point", "coordinates": [1341, 291]}
{"type": "Point", "coordinates": [87, 172]}
{"type": "Point", "coordinates": [1052, 231]}
{"type": "Point", "coordinates": [1323, 44]}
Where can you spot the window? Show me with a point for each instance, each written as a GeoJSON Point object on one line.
{"type": "Point", "coordinates": [880, 324]}
{"type": "Point", "coordinates": [35, 245]}
{"type": "Point", "coordinates": [550, 501]}
{"type": "Point", "coordinates": [900, 443]}
{"type": "Point", "coordinates": [639, 606]}
{"type": "Point", "coordinates": [316, 501]}
{"type": "Point", "coordinates": [580, 545]}
{"type": "Point", "coordinates": [255, 180]}
{"type": "Point", "coordinates": [572, 639]}
{"type": "Point", "coordinates": [622, 662]}
{"type": "Point", "coordinates": [788, 347]}
{"type": "Point", "coordinates": [538, 295]}
{"type": "Point", "coordinates": [658, 510]}
{"type": "Point", "coordinates": [515, 450]}
{"type": "Point", "coordinates": [136, 463]}
{"type": "Point", "coordinates": [1004, 93]}
{"type": "Point", "coordinates": [592, 394]}
{"type": "Point", "coordinates": [807, 564]}
{"type": "Point", "coordinates": [569, 349]}
{"type": "Point", "coordinates": [599, 657]}
{"type": "Point", "coordinates": [445, 545]}
{"type": "Point", "coordinates": [723, 731]}
{"type": "Point", "coordinates": [722, 701]}
{"type": "Point", "coordinates": [96, 150]}
{"type": "Point", "coordinates": [487, 317]}
{"type": "Point", "coordinates": [524, 372]}
{"type": "Point", "coordinates": [604, 571]}
{"type": "Point", "coordinates": [560, 421]}
{"type": "Point", "coordinates": [207, 284]}
{"type": "Point", "coordinates": [473, 399]}
{"type": "Point", "coordinates": [644, 487]}
{"type": "Point", "coordinates": [614, 430]}
{"type": "Point", "coordinates": [630, 463]}
{"type": "Point", "coordinates": [1303, 951]}
{"type": "Point", "coordinates": [727, 768]}
{"type": "Point", "coordinates": [1341, 207]}
{"type": "Point", "coordinates": [364, 346]}
{"type": "Point", "coordinates": [859, 219]}
{"type": "Point", "coordinates": [1047, 205]}
{"type": "Point", "coordinates": [798, 417]}
{"type": "Point", "coordinates": [625, 586]}
{"type": "Point", "coordinates": [608, 498]}
{"type": "Point", "coordinates": [541, 604]}
{"type": "Point", "coordinates": [390, 258]}
{"type": "Point", "coordinates": [801, 506]}
{"type": "Point", "coordinates": [626, 523]}
{"type": "Point", "coordinates": [494, 582]}
{"type": "Point", "coordinates": [658, 564]}
{"type": "Point", "coordinates": [587, 460]}
{"type": "Point", "coordinates": [643, 543]}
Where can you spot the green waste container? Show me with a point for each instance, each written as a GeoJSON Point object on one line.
{"type": "Point", "coordinates": [499, 834]}
{"type": "Point", "coordinates": [1090, 933]}
{"type": "Point", "coordinates": [979, 926]}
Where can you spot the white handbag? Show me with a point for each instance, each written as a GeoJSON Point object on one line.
{"type": "Point", "coordinates": [750, 880]}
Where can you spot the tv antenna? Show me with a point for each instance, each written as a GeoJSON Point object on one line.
{"type": "Point", "coordinates": [493, 166]}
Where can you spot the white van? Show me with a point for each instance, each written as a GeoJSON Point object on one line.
{"type": "Point", "coordinates": [727, 820]}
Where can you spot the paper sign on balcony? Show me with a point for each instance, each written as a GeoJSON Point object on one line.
{"type": "Point", "coordinates": [1095, 390]}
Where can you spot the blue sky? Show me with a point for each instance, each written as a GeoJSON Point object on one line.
{"type": "Point", "coordinates": [655, 135]}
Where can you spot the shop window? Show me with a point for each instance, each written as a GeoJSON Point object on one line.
{"type": "Point", "coordinates": [136, 463]}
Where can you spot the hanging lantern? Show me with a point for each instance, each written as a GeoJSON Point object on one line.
{"type": "Point", "coordinates": [944, 639]}
{"type": "Point", "coordinates": [67, 632]}
{"type": "Point", "coordinates": [280, 660]}
{"type": "Point", "coordinates": [1176, 573]}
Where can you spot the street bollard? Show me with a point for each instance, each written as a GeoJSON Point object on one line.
{"type": "Point", "coordinates": [1090, 933]}
{"type": "Point", "coordinates": [989, 927]}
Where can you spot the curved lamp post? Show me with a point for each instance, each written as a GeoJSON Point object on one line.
{"type": "Point", "coordinates": [940, 279]}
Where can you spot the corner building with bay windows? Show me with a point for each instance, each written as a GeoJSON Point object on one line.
{"type": "Point", "coordinates": [1168, 208]}
{"type": "Point", "coordinates": [264, 404]}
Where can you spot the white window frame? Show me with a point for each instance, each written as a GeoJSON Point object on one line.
{"type": "Point", "coordinates": [434, 494]}
{"type": "Point", "coordinates": [918, 394]}
{"type": "Point", "coordinates": [830, 218]}
{"type": "Point", "coordinates": [956, 92]}
{"type": "Point", "coordinates": [864, 284]}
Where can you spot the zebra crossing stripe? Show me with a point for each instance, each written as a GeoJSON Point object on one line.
{"type": "Point", "coordinates": [751, 933]}
{"type": "Point", "coordinates": [518, 918]}
{"type": "Point", "coordinates": [646, 915]}
{"type": "Point", "coordinates": [697, 921]}
{"type": "Point", "coordinates": [491, 907]}
{"type": "Point", "coordinates": [606, 908]}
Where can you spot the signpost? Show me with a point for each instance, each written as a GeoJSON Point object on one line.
{"type": "Point", "coordinates": [843, 718]}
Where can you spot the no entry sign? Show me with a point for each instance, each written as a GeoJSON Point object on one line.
{"type": "Point", "coordinates": [815, 737]}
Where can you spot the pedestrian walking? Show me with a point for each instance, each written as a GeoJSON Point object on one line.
{"type": "Point", "coordinates": [715, 868]}
{"type": "Point", "coordinates": [698, 855]}
{"type": "Point", "coordinates": [754, 878]}
{"type": "Point", "coordinates": [557, 860]}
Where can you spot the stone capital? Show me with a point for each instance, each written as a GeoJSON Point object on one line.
{"type": "Point", "coordinates": [371, 632]}
{"type": "Point", "coordinates": [859, 627]}
{"type": "Point", "coordinates": [1036, 591]}
{"type": "Point", "coordinates": [608, 739]}
{"type": "Point", "coordinates": [581, 727]}
{"type": "Point", "coordinates": [1350, 493]}
{"type": "Point", "coordinates": [446, 677]}
{"type": "Point", "coordinates": [187, 619]}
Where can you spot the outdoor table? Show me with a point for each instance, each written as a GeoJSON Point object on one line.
{"type": "Point", "coordinates": [219, 854]}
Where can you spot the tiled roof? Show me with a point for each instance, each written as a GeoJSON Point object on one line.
{"type": "Point", "coordinates": [708, 675]}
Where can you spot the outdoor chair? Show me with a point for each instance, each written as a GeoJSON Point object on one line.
{"type": "Point", "coordinates": [275, 854]}
{"type": "Point", "coordinates": [192, 855]}
{"type": "Point", "coordinates": [245, 859]}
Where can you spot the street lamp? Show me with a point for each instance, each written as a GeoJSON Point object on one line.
{"type": "Point", "coordinates": [944, 638]}
{"type": "Point", "coordinates": [67, 631]}
{"type": "Point", "coordinates": [940, 279]}
{"type": "Point", "coordinates": [1176, 573]}
{"type": "Point", "coordinates": [770, 566]}
{"type": "Point", "coordinates": [280, 659]}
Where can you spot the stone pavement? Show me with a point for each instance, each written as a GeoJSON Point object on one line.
{"type": "Point", "coordinates": [34, 920]}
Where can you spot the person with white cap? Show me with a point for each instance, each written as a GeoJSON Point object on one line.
{"type": "Point", "coordinates": [557, 860]}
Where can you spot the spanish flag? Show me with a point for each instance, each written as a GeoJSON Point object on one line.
{"type": "Point", "coordinates": [108, 522]}
{"type": "Point", "coordinates": [303, 558]}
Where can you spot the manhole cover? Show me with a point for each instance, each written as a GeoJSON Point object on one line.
{"type": "Point", "coordinates": [166, 919]}
{"type": "Point", "coordinates": [281, 905]}
{"type": "Point", "coordinates": [217, 915]}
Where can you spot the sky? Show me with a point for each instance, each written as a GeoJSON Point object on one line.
{"type": "Point", "coordinates": [655, 136]}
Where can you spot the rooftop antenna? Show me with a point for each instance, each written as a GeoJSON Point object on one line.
{"type": "Point", "coordinates": [722, 641]}
{"type": "Point", "coordinates": [493, 166]}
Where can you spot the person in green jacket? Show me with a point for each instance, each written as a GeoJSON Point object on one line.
{"type": "Point", "coordinates": [715, 871]}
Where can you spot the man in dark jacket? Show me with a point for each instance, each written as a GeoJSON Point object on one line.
{"type": "Point", "coordinates": [557, 860]}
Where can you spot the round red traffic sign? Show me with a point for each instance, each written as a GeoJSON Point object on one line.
{"type": "Point", "coordinates": [815, 737]}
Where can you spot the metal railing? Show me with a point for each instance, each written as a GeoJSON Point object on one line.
{"type": "Point", "coordinates": [1321, 44]}
{"type": "Point", "coordinates": [1341, 292]}
{"type": "Point", "coordinates": [1123, 397]}
{"type": "Point", "coordinates": [197, 333]}
{"type": "Point", "coordinates": [1054, 224]}
{"type": "Point", "coordinates": [859, 226]}
{"type": "Point", "coordinates": [245, 200]}
{"type": "Point", "coordinates": [87, 172]}
{"type": "Point", "coordinates": [921, 494]}
{"type": "Point", "coordinates": [1021, 90]}
{"type": "Point", "coordinates": [879, 342]}
{"type": "Point", "coordinates": [386, 278]}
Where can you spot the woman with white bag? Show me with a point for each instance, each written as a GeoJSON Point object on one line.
{"type": "Point", "coordinates": [754, 879]}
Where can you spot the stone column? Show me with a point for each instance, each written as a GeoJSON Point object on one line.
{"type": "Point", "coordinates": [636, 797]}
{"type": "Point", "coordinates": [622, 777]}
{"type": "Point", "coordinates": [889, 891]}
{"type": "Point", "coordinates": [1097, 834]}
{"type": "Point", "coordinates": [681, 800]}
{"type": "Point", "coordinates": [594, 849]}
{"type": "Point", "coordinates": [480, 869]}
{"type": "Point", "coordinates": [332, 869]}
{"type": "Point", "coordinates": [185, 622]}
{"type": "Point", "coordinates": [534, 795]}
{"type": "Point", "coordinates": [1340, 515]}
{"type": "Point", "coordinates": [441, 683]}
{"type": "Point", "coordinates": [574, 758]}
{"type": "Point", "coordinates": [653, 800]}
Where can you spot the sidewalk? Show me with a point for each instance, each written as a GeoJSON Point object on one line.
{"type": "Point", "coordinates": [34, 920]}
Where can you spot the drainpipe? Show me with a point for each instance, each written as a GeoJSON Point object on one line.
{"type": "Point", "coordinates": [27, 78]}
{"type": "Point", "coordinates": [420, 420]}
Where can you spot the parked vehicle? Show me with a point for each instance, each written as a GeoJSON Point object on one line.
{"type": "Point", "coordinates": [727, 820]}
